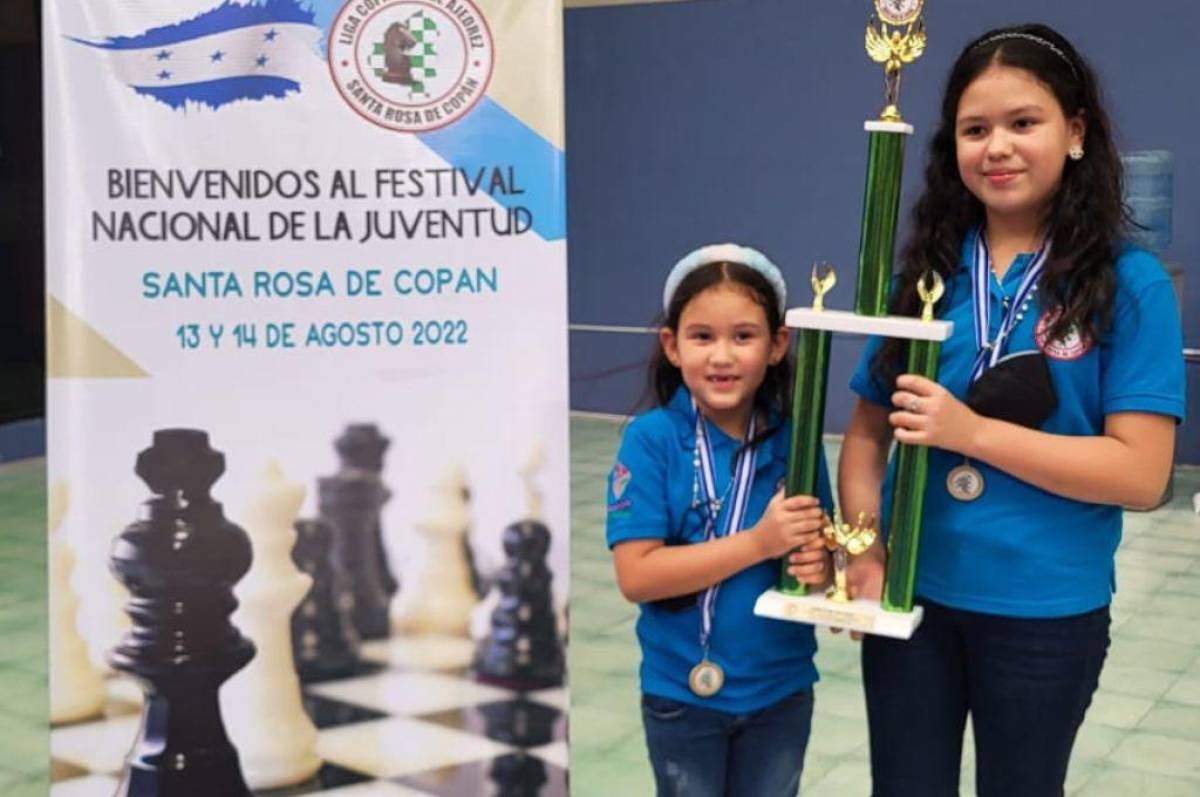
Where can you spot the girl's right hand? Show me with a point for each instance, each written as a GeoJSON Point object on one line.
{"type": "Point", "coordinates": [864, 578]}
{"type": "Point", "coordinates": [788, 523]}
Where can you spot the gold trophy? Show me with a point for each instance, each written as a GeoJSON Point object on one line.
{"type": "Point", "coordinates": [844, 541]}
{"type": "Point", "coordinates": [894, 49]}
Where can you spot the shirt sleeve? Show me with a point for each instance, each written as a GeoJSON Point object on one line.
{"type": "Point", "coordinates": [863, 382]}
{"type": "Point", "coordinates": [1141, 359]}
{"type": "Point", "coordinates": [637, 486]}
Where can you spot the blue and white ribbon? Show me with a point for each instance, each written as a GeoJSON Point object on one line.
{"type": "Point", "coordinates": [981, 273]}
{"type": "Point", "coordinates": [743, 480]}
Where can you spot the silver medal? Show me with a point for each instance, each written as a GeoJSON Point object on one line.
{"type": "Point", "coordinates": [964, 483]}
{"type": "Point", "coordinates": [706, 678]}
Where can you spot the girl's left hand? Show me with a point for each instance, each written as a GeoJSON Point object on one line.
{"type": "Point", "coordinates": [929, 415]}
{"type": "Point", "coordinates": [810, 563]}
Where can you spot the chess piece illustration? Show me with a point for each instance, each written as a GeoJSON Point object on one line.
{"type": "Point", "coordinates": [324, 642]}
{"type": "Point", "coordinates": [261, 704]}
{"type": "Point", "coordinates": [437, 595]}
{"type": "Point", "coordinates": [397, 42]}
{"type": "Point", "coordinates": [350, 501]}
{"type": "Point", "coordinates": [76, 688]}
{"type": "Point", "coordinates": [524, 650]}
{"type": "Point", "coordinates": [180, 562]}
{"type": "Point", "coordinates": [362, 448]}
{"type": "Point", "coordinates": [100, 618]}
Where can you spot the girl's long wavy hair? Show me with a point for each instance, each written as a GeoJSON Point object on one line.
{"type": "Point", "coordinates": [773, 396]}
{"type": "Point", "coordinates": [1086, 217]}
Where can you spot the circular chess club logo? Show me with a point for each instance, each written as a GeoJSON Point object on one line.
{"type": "Point", "coordinates": [1070, 346]}
{"type": "Point", "coordinates": [411, 65]}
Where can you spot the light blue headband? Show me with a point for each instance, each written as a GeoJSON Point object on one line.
{"type": "Point", "coordinates": [726, 253]}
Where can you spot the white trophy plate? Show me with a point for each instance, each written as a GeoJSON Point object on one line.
{"type": "Point", "coordinates": [888, 326]}
{"type": "Point", "coordinates": [861, 614]}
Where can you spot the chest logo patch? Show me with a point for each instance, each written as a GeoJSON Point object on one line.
{"type": "Point", "coordinates": [1070, 346]}
{"type": "Point", "coordinates": [621, 477]}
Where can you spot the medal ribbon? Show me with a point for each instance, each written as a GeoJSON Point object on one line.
{"type": "Point", "coordinates": [981, 269]}
{"type": "Point", "coordinates": [743, 479]}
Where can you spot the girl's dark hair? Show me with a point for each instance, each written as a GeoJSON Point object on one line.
{"type": "Point", "coordinates": [1086, 218]}
{"type": "Point", "coordinates": [664, 378]}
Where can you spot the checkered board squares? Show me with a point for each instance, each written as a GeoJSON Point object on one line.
{"type": "Point", "coordinates": [422, 57]}
{"type": "Point", "coordinates": [411, 724]}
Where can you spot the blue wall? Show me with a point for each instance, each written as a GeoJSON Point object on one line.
{"type": "Point", "coordinates": [711, 120]}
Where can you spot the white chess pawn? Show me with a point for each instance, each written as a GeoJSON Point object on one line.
{"type": "Point", "coordinates": [531, 468]}
{"type": "Point", "coordinates": [261, 704]}
{"type": "Point", "coordinates": [76, 688]}
{"type": "Point", "coordinates": [101, 618]}
{"type": "Point", "coordinates": [436, 595]}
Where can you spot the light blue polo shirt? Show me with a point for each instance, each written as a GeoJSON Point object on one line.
{"type": "Point", "coordinates": [1018, 550]}
{"type": "Point", "coordinates": [650, 498]}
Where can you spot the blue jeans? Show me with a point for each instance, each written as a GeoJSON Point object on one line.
{"type": "Point", "coordinates": [701, 752]}
{"type": "Point", "coordinates": [1025, 682]}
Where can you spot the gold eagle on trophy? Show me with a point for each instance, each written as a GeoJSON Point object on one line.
{"type": "Point", "coordinates": [894, 49]}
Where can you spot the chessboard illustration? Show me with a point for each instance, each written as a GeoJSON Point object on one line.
{"type": "Point", "coordinates": [266, 655]}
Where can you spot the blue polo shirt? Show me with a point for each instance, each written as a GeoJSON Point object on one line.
{"type": "Point", "coordinates": [650, 498]}
{"type": "Point", "coordinates": [1018, 550]}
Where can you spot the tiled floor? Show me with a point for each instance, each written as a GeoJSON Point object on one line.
{"type": "Point", "coordinates": [1141, 736]}
{"type": "Point", "coordinates": [24, 708]}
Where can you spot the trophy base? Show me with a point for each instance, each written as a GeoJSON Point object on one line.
{"type": "Point", "coordinates": [862, 615]}
{"type": "Point", "coordinates": [888, 326]}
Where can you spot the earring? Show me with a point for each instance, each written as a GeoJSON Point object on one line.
{"type": "Point", "coordinates": [1075, 152]}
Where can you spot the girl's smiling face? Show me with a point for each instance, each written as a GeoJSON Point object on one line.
{"type": "Point", "coordinates": [1011, 140]}
{"type": "Point", "coordinates": [723, 347]}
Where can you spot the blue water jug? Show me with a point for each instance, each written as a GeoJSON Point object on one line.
{"type": "Point", "coordinates": [1149, 194]}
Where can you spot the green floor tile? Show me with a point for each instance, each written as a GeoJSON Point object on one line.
{"type": "Point", "coordinates": [1118, 711]}
{"type": "Point", "coordinates": [1113, 781]}
{"type": "Point", "coordinates": [1178, 720]}
{"type": "Point", "coordinates": [1157, 754]}
{"type": "Point", "coordinates": [1137, 681]}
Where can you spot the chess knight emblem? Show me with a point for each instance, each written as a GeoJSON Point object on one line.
{"type": "Point", "coordinates": [411, 65]}
{"type": "Point", "coordinates": [397, 43]}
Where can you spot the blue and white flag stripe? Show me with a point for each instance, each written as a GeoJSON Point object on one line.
{"type": "Point", "coordinates": [212, 61]}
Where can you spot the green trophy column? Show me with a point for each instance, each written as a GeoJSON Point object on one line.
{"type": "Point", "coordinates": [808, 426]}
{"type": "Point", "coordinates": [881, 209]}
{"type": "Point", "coordinates": [908, 498]}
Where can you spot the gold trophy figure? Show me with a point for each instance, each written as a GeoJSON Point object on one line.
{"type": "Point", "coordinates": [823, 279]}
{"type": "Point", "coordinates": [844, 541]}
{"type": "Point", "coordinates": [929, 289]}
{"type": "Point", "coordinates": [894, 49]}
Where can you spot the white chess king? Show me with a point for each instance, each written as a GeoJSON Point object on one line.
{"type": "Point", "coordinates": [436, 596]}
{"type": "Point", "coordinates": [261, 704]}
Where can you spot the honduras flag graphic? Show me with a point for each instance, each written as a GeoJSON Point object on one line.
{"type": "Point", "coordinates": [233, 52]}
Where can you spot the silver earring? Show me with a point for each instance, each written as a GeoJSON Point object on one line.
{"type": "Point", "coordinates": [1075, 152]}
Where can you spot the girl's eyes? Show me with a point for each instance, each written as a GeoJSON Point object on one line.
{"type": "Point", "coordinates": [972, 131]}
{"type": "Point", "coordinates": [1024, 123]}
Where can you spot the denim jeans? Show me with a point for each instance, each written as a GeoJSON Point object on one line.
{"type": "Point", "coordinates": [1025, 682]}
{"type": "Point", "coordinates": [700, 752]}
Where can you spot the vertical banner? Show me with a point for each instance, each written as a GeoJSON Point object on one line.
{"type": "Point", "coordinates": [307, 401]}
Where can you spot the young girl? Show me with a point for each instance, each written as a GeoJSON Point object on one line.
{"type": "Point", "coordinates": [1059, 394]}
{"type": "Point", "coordinates": [696, 520]}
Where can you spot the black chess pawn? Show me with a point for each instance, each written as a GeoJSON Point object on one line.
{"type": "Point", "coordinates": [523, 650]}
{"type": "Point", "coordinates": [361, 447]}
{"type": "Point", "coordinates": [180, 562]}
{"type": "Point", "coordinates": [324, 641]}
{"type": "Point", "coordinates": [350, 501]}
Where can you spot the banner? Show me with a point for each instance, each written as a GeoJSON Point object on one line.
{"type": "Point", "coordinates": [306, 276]}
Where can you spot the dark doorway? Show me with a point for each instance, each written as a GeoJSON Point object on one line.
{"type": "Point", "coordinates": [22, 244]}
